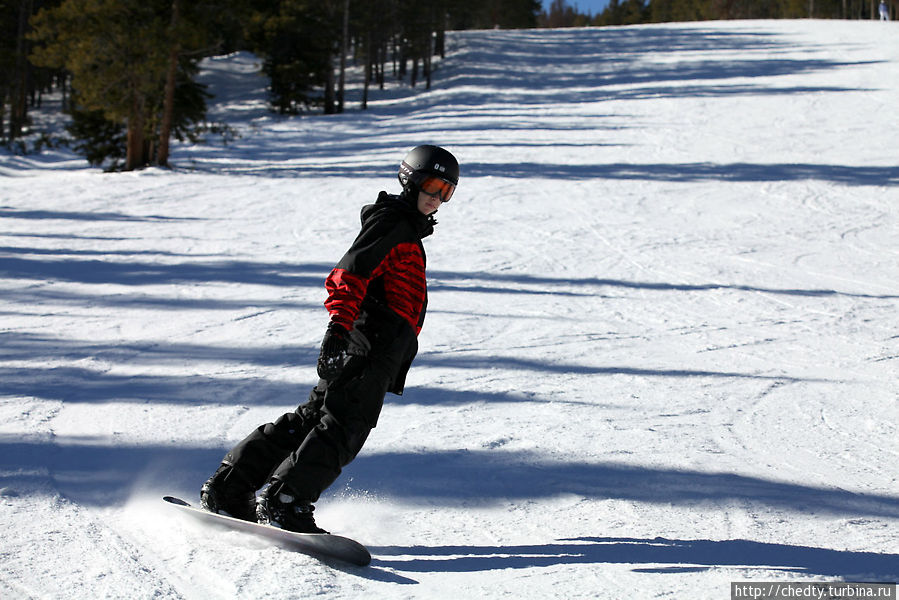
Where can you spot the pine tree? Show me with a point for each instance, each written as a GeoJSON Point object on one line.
{"type": "Point", "coordinates": [124, 56]}
{"type": "Point", "coordinates": [297, 40]}
{"type": "Point", "coordinates": [21, 83]}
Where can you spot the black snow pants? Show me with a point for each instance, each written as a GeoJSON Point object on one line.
{"type": "Point", "coordinates": [308, 448]}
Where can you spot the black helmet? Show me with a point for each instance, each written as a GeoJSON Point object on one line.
{"type": "Point", "coordinates": [424, 161]}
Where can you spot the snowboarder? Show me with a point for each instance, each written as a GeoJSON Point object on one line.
{"type": "Point", "coordinates": [376, 300]}
{"type": "Point", "coordinates": [884, 11]}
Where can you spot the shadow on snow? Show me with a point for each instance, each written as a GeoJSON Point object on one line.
{"type": "Point", "coordinates": [139, 273]}
{"type": "Point", "coordinates": [658, 555]}
{"type": "Point", "coordinates": [77, 384]}
{"type": "Point", "coordinates": [153, 273]}
{"type": "Point", "coordinates": [496, 283]}
{"type": "Point", "coordinates": [92, 471]}
{"type": "Point", "coordinates": [512, 72]}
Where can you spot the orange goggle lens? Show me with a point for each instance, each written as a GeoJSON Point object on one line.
{"type": "Point", "coordinates": [434, 186]}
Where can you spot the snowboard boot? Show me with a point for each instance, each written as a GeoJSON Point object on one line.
{"type": "Point", "coordinates": [225, 493]}
{"type": "Point", "coordinates": [276, 506]}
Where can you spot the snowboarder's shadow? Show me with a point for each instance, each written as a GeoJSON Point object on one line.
{"type": "Point", "coordinates": [658, 555]}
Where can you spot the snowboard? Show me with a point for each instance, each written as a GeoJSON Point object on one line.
{"type": "Point", "coordinates": [319, 545]}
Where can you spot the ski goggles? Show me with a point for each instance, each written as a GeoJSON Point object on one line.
{"type": "Point", "coordinates": [437, 188]}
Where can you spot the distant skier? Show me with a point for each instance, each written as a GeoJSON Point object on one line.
{"type": "Point", "coordinates": [377, 298]}
{"type": "Point", "coordinates": [884, 12]}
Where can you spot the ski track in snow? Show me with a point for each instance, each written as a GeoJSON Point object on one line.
{"type": "Point", "coordinates": [660, 355]}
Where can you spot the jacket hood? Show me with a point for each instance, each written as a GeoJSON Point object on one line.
{"type": "Point", "coordinates": [392, 207]}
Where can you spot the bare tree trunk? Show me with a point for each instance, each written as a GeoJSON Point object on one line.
{"type": "Point", "coordinates": [18, 105]}
{"type": "Point", "coordinates": [368, 62]}
{"type": "Point", "coordinates": [394, 57]}
{"type": "Point", "coordinates": [426, 62]}
{"type": "Point", "coordinates": [134, 157]}
{"type": "Point", "coordinates": [382, 61]}
{"type": "Point", "coordinates": [343, 53]}
{"type": "Point", "coordinates": [168, 109]}
{"type": "Point", "coordinates": [329, 87]}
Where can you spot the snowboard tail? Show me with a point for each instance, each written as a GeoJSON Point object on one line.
{"type": "Point", "coordinates": [319, 545]}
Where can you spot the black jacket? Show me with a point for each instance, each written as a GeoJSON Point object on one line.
{"type": "Point", "coordinates": [379, 285]}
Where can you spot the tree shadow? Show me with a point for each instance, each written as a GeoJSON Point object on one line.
{"type": "Point", "coordinates": [99, 471]}
{"type": "Point", "coordinates": [491, 476]}
{"type": "Point", "coordinates": [153, 273]}
{"type": "Point", "coordinates": [590, 65]}
{"type": "Point", "coordinates": [37, 348]}
{"type": "Point", "coordinates": [44, 379]}
{"type": "Point", "coordinates": [71, 252]}
{"type": "Point", "coordinates": [12, 213]}
{"type": "Point", "coordinates": [27, 298]}
{"type": "Point", "coordinates": [79, 385]}
{"type": "Point", "coordinates": [658, 555]}
{"type": "Point", "coordinates": [497, 283]}
{"type": "Point", "coordinates": [524, 70]}
{"type": "Point", "coordinates": [102, 471]}
{"type": "Point", "coordinates": [692, 172]}
{"type": "Point", "coordinates": [535, 366]}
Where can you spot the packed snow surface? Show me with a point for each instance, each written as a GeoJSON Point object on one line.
{"type": "Point", "coordinates": [661, 352]}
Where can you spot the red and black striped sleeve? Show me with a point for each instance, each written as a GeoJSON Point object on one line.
{"type": "Point", "coordinates": [345, 294]}
{"type": "Point", "coordinates": [394, 258]}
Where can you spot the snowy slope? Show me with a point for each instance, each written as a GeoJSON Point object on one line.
{"type": "Point", "coordinates": [661, 352]}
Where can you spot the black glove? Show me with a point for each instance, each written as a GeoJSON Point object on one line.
{"type": "Point", "coordinates": [334, 351]}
